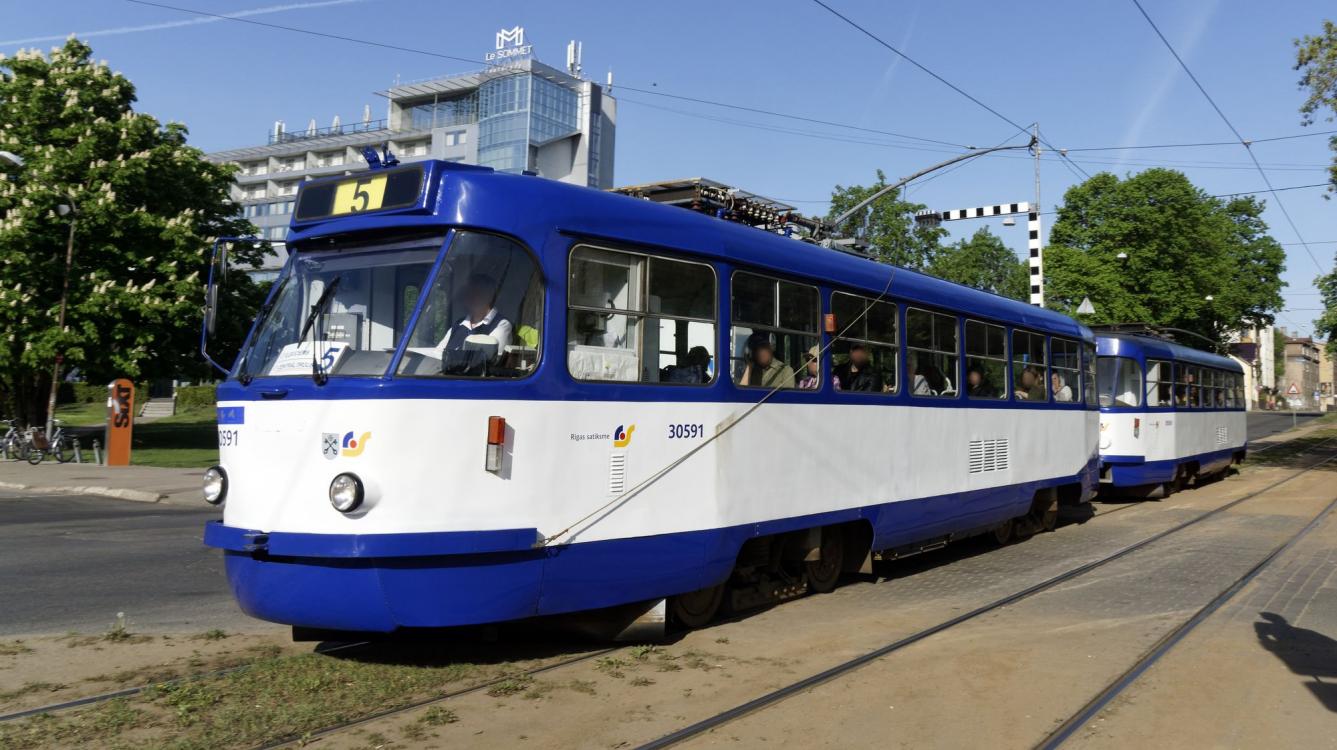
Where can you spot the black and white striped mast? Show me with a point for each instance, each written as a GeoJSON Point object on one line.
{"type": "Point", "coordinates": [1034, 243]}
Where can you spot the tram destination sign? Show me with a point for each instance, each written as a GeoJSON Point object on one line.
{"type": "Point", "coordinates": [364, 192]}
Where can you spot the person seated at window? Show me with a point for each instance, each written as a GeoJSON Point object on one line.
{"type": "Point", "coordinates": [812, 371]}
{"type": "Point", "coordinates": [1031, 386]}
{"type": "Point", "coordinates": [481, 317]}
{"type": "Point", "coordinates": [978, 385]}
{"type": "Point", "coordinates": [695, 369]}
{"type": "Point", "coordinates": [857, 373]}
{"type": "Point", "coordinates": [763, 370]}
{"type": "Point", "coordinates": [1061, 390]}
{"type": "Point", "coordinates": [918, 382]}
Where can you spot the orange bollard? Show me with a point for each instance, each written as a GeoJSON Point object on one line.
{"type": "Point", "coordinates": [120, 421]}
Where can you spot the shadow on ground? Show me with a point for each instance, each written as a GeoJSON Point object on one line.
{"type": "Point", "coordinates": [1305, 652]}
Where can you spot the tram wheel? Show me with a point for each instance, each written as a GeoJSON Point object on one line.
{"type": "Point", "coordinates": [696, 609]}
{"type": "Point", "coordinates": [824, 573]}
{"type": "Point", "coordinates": [1044, 513]}
{"type": "Point", "coordinates": [1003, 532]}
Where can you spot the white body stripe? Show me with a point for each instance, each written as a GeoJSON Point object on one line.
{"type": "Point", "coordinates": [1161, 436]}
{"type": "Point", "coordinates": [423, 463]}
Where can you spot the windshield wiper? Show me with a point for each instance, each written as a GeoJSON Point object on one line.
{"type": "Point", "coordinates": [319, 306]}
{"type": "Point", "coordinates": [318, 376]}
{"type": "Point", "coordinates": [261, 315]}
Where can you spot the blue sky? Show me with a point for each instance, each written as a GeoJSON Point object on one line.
{"type": "Point", "coordinates": [1092, 75]}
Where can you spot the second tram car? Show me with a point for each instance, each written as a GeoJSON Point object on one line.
{"type": "Point", "coordinates": [1169, 414]}
{"type": "Point", "coordinates": [475, 397]}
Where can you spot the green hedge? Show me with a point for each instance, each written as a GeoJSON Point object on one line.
{"type": "Point", "coordinates": [195, 397]}
{"type": "Point", "coordinates": [93, 393]}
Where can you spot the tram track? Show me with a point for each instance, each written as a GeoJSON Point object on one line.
{"type": "Point", "coordinates": [90, 700]}
{"type": "Point", "coordinates": [1167, 642]}
{"type": "Point", "coordinates": [832, 673]}
{"type": "Point", "coordinates": [738, 711]}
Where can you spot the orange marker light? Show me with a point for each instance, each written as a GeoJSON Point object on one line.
{"type": "Point", "coordinates": [496, 439]}
{"type": "Point", "coordinates": [829, 322]}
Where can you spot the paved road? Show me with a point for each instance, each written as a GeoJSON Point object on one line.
{"type": "Point", "coordinates": [71, 563]}
{"type": "Point", "coordinates": [1265, 423]}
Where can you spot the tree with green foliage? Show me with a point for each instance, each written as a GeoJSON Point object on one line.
{"type": "Point", "coordinates": [146, 209]}
{"type": "Point", "coordinates": [1192, 261]}
{"type": "Point", "coordinates": [887, 224]}
{"type": "Point", "coordinates": [983, 262]}
{"type": "Point", "coordinates": [1279, 355]}
{"type": "Point", "coordinates": [1316, 58]}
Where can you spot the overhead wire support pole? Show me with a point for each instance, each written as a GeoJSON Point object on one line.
{"type": "Point", "coordinates": [1034, 244]}
{"type": "Point", "coordinates": [835, 223]}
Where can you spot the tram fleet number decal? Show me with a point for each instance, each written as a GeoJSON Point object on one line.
{"type": "Point", "coordinates": [686, 431]}
{"type": "Point", "coordinates": [229, 434]}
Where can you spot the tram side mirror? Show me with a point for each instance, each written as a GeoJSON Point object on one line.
{"type": "Point", "coordinates": [210, 309]}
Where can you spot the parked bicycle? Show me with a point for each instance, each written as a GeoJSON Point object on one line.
{"type": "Point", "coordinates": [12, 441]}
{"type": "Point", "coordinates": [62, 446]}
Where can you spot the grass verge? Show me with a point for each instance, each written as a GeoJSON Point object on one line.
{"type": "Point", "coordinates": [186, 440]}
{"type": "Point", "coordinates": [274, 698]}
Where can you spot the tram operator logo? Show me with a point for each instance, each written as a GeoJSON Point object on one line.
{"type": "Point", "coordinates": [621, 437]}
{"type": "Point", "coordinates": [332, 446]}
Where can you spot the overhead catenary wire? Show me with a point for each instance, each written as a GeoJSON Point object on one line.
{"type": "Point", "coordinates": [1242, 140]}
{"type": "Point", "coordinates": [939, 78]}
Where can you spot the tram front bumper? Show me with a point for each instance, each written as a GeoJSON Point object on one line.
{"type": "Point", "coordinates": [382, 582]}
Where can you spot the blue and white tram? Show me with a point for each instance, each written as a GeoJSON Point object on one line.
{"type": "Point", "coordinates": [476, 397]}
{"type": "Point", "coordinates": [1169, 414]}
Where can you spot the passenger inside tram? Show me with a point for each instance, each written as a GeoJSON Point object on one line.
{"type": "Point", "coordinates": [762, 369]}
{"type": "Point", "coordinates": [694, 368]}
{"type": "Point", "coordinates": [812, 371]}
{"type": "Point", "coordinates": [857, 373]}
{"type": "Point", "coordinates": [1031, 386]}
{"type": "Point", "coordinates": [977, 383]}
{"type": "Point", "coordinates": [1062, 392]}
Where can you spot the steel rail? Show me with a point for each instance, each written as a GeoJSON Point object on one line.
{"type": "Point", "coordinates": [850, 665]}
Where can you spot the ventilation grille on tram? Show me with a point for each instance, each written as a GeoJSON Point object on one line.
{"type": "Point", "coordinates": [988, 455]}
{"type": "Point", "coordinates": [617, 472]}
{"type": "Point", "coordinates": [1221, 436]}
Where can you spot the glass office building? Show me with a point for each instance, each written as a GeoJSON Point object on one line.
{"type": "Point", "coordinates": [524, 116]}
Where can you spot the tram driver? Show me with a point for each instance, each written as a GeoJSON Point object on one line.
{"type": "Point", "coordinates": [481, 318]}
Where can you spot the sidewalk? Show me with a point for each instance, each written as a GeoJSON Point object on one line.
{"type": "Point", "coordinates": [145, 484]}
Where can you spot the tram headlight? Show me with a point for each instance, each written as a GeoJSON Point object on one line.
{"type": "Point", "coordinates": [346, 493]}
{"type": "Point", "coordinates": [214, 485]}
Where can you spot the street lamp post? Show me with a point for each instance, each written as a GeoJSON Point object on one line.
{"type": "Point", "coordinates": [64, 209]}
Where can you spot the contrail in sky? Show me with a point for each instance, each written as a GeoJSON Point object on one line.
{"type": "Point", "coordinates": [177, 24]}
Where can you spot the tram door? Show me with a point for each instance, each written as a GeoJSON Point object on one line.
{"type": "Point", "coordinates": [1158, 427]}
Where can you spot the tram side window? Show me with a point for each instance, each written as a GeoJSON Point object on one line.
{"type": "Point", "coordinates": [1119, 382]}
{"type": "Point", "coordinates": [933, 353]}
{"type": "Point", "coordinates": [1221, 387]}
{"type": "Point", "coordinates": [1230, 390]}
{"type": "Point", "coordinates": [865, 350]}
{"type": "Point", "coordinates": [640, 318]}
{"type": "Point", "coordinates": [986, 360]}
{"type": "Point", "coordinates": [1089, 379]}
{"type": "Point", "coordinates": [1237, 390]}
{"type": "Point", "coordinates": [1028, 367]}
{"type": "Point", "coordinates": [483, 314]}
{"type": "Point", "coordinates": [1160, 383]}
{"type": "Point", "coordinates": [1064, 368]}
{"type": "Point", "coordinates": [774, 330]}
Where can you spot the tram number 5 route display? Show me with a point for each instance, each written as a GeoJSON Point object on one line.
{"type": "Point", "coordinates": [366, 194]}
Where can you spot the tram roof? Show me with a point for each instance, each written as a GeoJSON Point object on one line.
{"type": "Point", "coordinates": [1131, 344]}
{"type": "Point", "coordinates": [530, 207]}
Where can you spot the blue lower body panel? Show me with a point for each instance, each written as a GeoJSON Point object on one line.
{"type": "Point", "coordinates": [1131, 471]}
{"type": "Point", "coordinates": [373, 583]}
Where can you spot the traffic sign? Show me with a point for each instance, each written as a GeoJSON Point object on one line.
{"type": "Point", "coordinates": [1293, 390]}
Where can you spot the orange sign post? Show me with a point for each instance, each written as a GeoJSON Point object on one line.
{"type": "Point", "coordinates": [120, 421]}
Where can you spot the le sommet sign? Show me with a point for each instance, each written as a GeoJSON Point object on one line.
{"type": "Point", "coordinates": [510, 44]}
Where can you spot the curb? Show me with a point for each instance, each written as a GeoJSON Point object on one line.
{"type": "Point", "coordinates": [139, 496]}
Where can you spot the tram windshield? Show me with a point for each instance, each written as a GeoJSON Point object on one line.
{"type": "Point", "coordinates": [1119, 382]}
{"type": "Point", "coordinates": [343, 309]}
{"type": "Point", "coordinates": [374, 287]}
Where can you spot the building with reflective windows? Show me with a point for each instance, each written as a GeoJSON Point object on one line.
{"type": "Point", "coordinates": [523, 116]}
